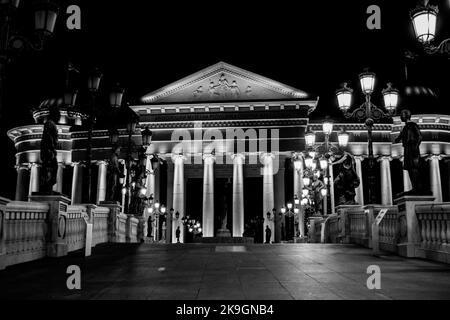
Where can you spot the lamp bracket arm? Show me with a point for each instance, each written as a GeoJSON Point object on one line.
{"type": "Point", "coordinates": [442, 48]}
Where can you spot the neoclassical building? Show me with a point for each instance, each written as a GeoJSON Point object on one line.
{"type": "Point", "coordinates": [225, 140]}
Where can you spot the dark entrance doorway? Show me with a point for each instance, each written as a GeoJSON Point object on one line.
{"type": "Point", "coordinates": [223, 204]}
{"type": "Point", "coordinates": [253, 209]}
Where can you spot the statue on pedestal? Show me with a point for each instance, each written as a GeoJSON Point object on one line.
{"type": "Point", "coordinates": [113, 192]}
{"type": "Point", "coordinates": [49, 143]}
{"type": "Point", "coordinates": [346, 182]}
{"type": "Point", "coordinates": [411, 138]}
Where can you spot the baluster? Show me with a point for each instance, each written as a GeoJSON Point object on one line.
{"type": "Point", "coordinates": [433, 230]}
{"type": "Point", "coordinates": [428, 230]}
{"type": "Point", "coordinates": [438, 230]}
{"type": "Point", "coordinates": [447, 222]}
{"type": "Point", "coordinates": [443, 232]}
{"type": "Point", "coordinates": [423, 228]}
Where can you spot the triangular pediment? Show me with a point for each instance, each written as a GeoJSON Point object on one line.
{"type": "Point", "coordinates": [223, 82]}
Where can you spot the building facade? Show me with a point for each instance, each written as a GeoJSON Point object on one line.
{"type": "Point", "coordinates": [225, 140]}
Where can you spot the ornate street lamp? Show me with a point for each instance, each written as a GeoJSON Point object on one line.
{"type": "Point", "coordinates": [45, 14]}
{"type": "Point", "coordinates": [424, 21]}
{"type": "Point", "coordinates": [310, 138]}
{"type": "Point", "coordinates": [343, 138]}
{"type": "Point", "coordinates": [370, 113]}
{"type": "Point", "coordinates": [390, 96]}
{"type": "Point", "coordinates": [344, 97]}
{"type": "Point", "coordinates": [146, 137]}
{"type": "Point", "coordinates": [327, 128]}
{"type": "Point", "coordinates": [116, 96]}
{"type": "Point", "coordinates": [94, 79]}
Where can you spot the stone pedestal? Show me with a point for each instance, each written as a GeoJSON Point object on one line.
{"type": "Point", "coordinates": [113, 223]}
{"type": "Point", "coordinates": [223, 233]}
{"type": "Point", "coordinates": [406, 205]}
{"type": "Point", "coordinates": [56, 245]}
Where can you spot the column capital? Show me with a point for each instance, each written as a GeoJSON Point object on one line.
{"type": "Point", "coordinates": [102, 162]}
{"type": "Point", "coordinates": [359, 157]}
{"type": "Point", "coordinates": [78, 164]}
{"type": "Point", "coordinates": [209, 157]}
{"type": "Point", "coordinates": [297, 156]}
{"type": "Point", "coordinates": [178, 157]}
{"type": "Point", "coordinates": [384, 158]}
{"type": "Point", "coordinates": [34, 164]}
{"type": "Point", "coordinates": [238, 156]}
{"type": "Point", "coordinates": [433, 156]}
{"type": "Point", "coordinates": [266, 156]}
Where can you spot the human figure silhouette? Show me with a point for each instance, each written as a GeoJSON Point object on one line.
{"type": "Point", "coordinates": [177, 234]}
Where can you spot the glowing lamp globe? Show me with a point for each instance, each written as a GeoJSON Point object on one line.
{"type": "Point", "coordinates": [367, 80]}
{"type": "Point", "coordinates": [327, 128]}
{"type": "Point", "coordinates": [289, 205]}
{"type": "Point", "coordinates": [424, 19]}
{"type": "Point", "coordinates": [343, 138]}
{"type": "Point", "coordinates": [310, 138]}
{"type": "Point", "coordinates": [390, 97]}
{"type": "Point", "coordinates": [306, 181]}
{"type": "Point", "coordinates": [323, 163]}
{"type": "Point", "coordinates": [323, 192]}
{"type": "Point", "coordinates": [344, 97]}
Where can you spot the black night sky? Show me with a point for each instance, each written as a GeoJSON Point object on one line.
{"type": "Point", "coordinates": [144, 45]}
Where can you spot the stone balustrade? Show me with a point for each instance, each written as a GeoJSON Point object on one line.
{"type": "Point", "coordinates": [23, 232]}
{"type": "Point", "coordinates": [74, 233]}
{"type": "Point", "coordinates": [434, 229]}
{"type": "Point", "coordinates": [333, 229]}
{"type": "Point", "coordinates": [315, 229]}
{"type": "Point", "coordinates": [132, 225]}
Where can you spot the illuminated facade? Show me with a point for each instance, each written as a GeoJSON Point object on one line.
{"type": "Point", "coordinates": [225, 139]}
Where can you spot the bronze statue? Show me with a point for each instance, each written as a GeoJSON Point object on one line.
{"type": "Point", "coordinates": [114, 175]}
{"type": "Point", "coordinates": [49, 143]}
{"type": "Point", "coordinates": [411, 138]}
{"type": "Point", "coordinates": [346, 182]}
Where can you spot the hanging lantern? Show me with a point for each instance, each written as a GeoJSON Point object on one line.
{"type": "Point", "coordinates": [296, 200]}
{"type": "Point", "coordinates": [289, 205]}
{"type": "Point", "coordinates": [146, 137]}
{"type": "Point", "coordinates": [305, 192]}
{"type": "Point", "coordinates": [323, 192]}
{"type": "Point", "coordinates": [94, 80]}
{"type": "Point", "coordinates": [283, 210]}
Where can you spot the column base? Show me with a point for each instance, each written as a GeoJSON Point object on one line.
{"type": "Point", "coordinates": [407, 250]}
{"type": "Point", "coordinates": [224, 233]}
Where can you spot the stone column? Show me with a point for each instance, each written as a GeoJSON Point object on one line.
{"type": "Point", "coordinates": [101, 180]}
{"type": "Point", "coordinates": [58, 187]}
{"type": "Point", "coordinates": [238, 194]}
{"type": "Point", "coordinates": [435, 177]}
{"type": "Point", "coordinates": [178, 195]}
{"type": "Point", "coordinates": [22, 183]}
{"type": "Point", "coordinates": [268, 195]}
{"type": "Point", "coordinates": [279, 202]}
{"type": "Point", "coordinates": [298, 187]}
{"type": "Point", "coordinates": [386, 182]}
{"type": "Point", "coordinates": [359, 191]}
{"type": "Point", "coordinates": [77, 182]}
{"type": "Point", "coordinates": [331, 182]}
{"type": "Point", "coordinates": [169, 204]}
{"type": "Point", "coordinates": [407, 186]}
{"type": "Point", "coordinates": [208, 195]}
{"type": "Point", "coordinates": [150, 183]}
{"type": "Point", "coordinates": [34, 178]}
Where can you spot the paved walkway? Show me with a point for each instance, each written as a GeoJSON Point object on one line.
{"type": "Point", "coordinates": [200, 271]}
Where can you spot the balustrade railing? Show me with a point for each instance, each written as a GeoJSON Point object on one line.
{"type": "Point", "coordinates": [434, 225]}
{"type": "Point", "coordinates": [23, 232]}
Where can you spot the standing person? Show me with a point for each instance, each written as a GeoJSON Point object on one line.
{"type": "Point", "coordinates": [177, 234]}
{"type": "Point", "coordinates": [268, 234]}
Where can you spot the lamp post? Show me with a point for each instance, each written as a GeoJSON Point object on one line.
{"type": "Point", "coordinates": [93, 86]}
{"type": "Point", "coordinates": [369, 113]}
{"type": "Point", "coordinates": [317, 176]}
{"type": "Point", "coordinates": [156, 212]}
{"type": "Point", "coordinates": [45, 15]}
